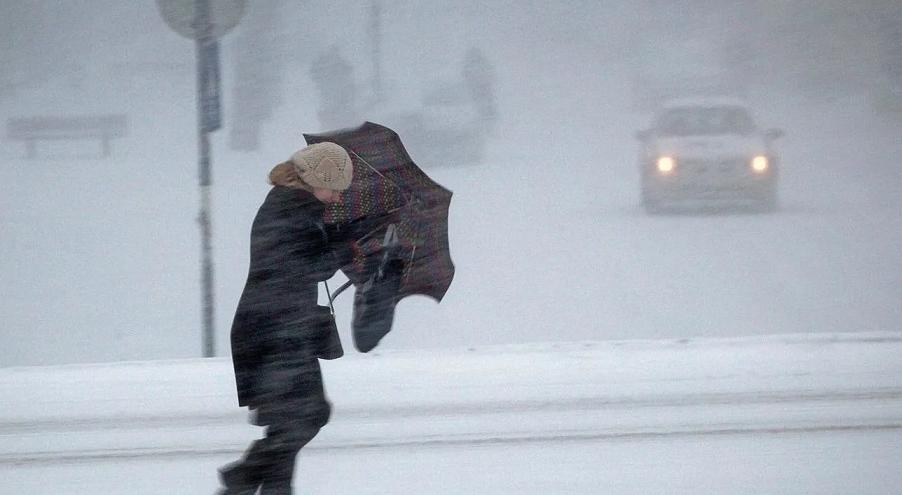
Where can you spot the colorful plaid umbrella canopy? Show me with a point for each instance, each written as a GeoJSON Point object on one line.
{"type": "Point", "coordinates": [389, 188]}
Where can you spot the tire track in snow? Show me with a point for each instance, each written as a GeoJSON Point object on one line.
{"type": "Point", "coordinates": [139, 454]}
{"type": "Point", "coordinates": [471, 408]}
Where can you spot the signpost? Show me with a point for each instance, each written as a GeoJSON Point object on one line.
{"type": "Point", "coordinates": [208, 87]}
{"type": "Point", "coordinates": [205, 21]}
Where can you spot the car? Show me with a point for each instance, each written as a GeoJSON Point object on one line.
{"type": "Point", "coordinates": [447, 129]}
{"type": "Point", "coordinates": [705, 152]}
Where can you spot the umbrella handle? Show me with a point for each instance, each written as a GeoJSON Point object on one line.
{"type": "Point", "coordinates": [388, 241]}
{"type": "Point", "coordinates": [338, 291]}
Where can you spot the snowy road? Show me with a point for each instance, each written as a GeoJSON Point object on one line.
{"type": "Point", "coordinates": [777, 414]}
{"type": "Point", "coordinates": [859, 462]}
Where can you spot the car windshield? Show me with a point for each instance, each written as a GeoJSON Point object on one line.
{"type": "Point", "coordinates": [699, 121]}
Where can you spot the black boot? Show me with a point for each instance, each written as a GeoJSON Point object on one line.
{"type": "Point", "coordinates": [237, 480]}
{"type": "Point", "coordinates": [276, 487]}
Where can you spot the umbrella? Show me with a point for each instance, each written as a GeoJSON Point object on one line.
{"type": "Point", "coordinates": [393, 215]}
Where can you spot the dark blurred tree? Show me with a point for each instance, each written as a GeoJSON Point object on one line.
{"type": "Point", "coordinates": [333, 77]}
{"type": "Point", "coordinates": [886, 19]}
{"type": "Point", "coordinates": [375, 34]}
{"type": "Point", "coordinates": [32, 52]}
{"type": "Point", "coordinates": [479, 78]}
{"type": "Point", "coordinates": [890, 43]}
{"type": "Point", "coordinates": [259, 65]}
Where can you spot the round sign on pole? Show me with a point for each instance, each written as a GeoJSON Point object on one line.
{"type": "Point", "coordinates": [180, 15]}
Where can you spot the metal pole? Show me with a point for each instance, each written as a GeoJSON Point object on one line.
{"type": "Point", "coordinates": [202, 18]}
{"type": "Point", "coordinates": [206, 247]}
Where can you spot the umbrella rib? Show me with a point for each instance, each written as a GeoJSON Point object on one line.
{"type": "Point", "coordinates": [410, 262]}
{"type": "Point", "coordinates": [379, 173]}
{"type": "Point", "coordinates": [372, 167]}
{"type": "Point", "coordinates": [374, 231]}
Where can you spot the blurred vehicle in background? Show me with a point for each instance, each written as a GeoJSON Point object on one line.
{"type": "Point", "coordinates": [456, 116]}
{"type": "Point", "coordinates": [705, 152]}
{"type": "Point", "coordinates": [447, 129]}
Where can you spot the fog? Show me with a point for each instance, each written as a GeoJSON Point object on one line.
{"type": "Point", "coordinates": [528, 111]}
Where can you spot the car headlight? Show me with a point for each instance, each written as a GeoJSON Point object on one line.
{"type": "Point", "coordinates": [666, 164]}
{"type": "Point", "coordinates": [760, 164]}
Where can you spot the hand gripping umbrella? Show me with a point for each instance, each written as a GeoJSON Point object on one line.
{"type": "Point", "coordinates": [395, 219]}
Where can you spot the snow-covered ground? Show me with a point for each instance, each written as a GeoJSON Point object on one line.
{"type": "Point", "coordinates": [805, 411]}
{"type": "Point", "coordinates": [835, 463]}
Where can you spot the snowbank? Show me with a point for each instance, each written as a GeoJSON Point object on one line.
{"type": "Point", "coordinates": [494, 394]}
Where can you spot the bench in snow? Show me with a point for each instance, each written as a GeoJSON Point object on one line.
{"type": "Point", "coordinates": [33, 129]}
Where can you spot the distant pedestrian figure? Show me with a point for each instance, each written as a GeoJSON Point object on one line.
{"type": "Point", "coordinates": [279, 332]}
{"type": "Point", "coordinates": [479, 77]}
{"type": "Point", "coordinates": [333, 77]}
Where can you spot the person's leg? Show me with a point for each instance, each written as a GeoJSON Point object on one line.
{"type": "Point", "coordinates": [293, 422]}
{"type": "Point", "coordinates": [239, 478]}
{"type": "Point", "coordinates": [287, 442]}
{"type": "Point", "coordinates": [270, 461]}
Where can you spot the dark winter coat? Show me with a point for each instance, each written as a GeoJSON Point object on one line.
{"type": "Point", "coordinates": [290, 254]}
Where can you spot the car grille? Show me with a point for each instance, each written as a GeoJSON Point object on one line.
{"type": "Point", "coordinates": [731, 167]}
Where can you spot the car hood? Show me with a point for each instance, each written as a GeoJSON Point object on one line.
{"type": "Point", "coordinates": [707, 147]}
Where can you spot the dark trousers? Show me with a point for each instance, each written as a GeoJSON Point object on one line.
{"type": "Point", "coordinates": [293, 411]}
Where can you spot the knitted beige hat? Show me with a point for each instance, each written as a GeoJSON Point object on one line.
{"type": "Point", "coordinates": [326, 165]}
